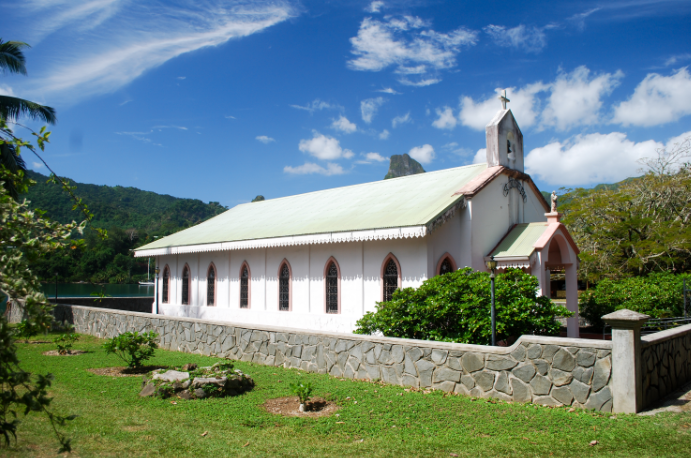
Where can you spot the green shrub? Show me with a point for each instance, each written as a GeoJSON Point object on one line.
{"type": "Point", "coordinates": [64, 342]}
{"type": "Point", "coordinates": [302, 391]}
{"type": "Point", "coordinates": [27, 329]}
{"type": "Point", "coordinates": [456, 307]}
{"type": "Point", "coordinates": [132, 347]}
{"type": "Point", "coordinates": [658, 295]}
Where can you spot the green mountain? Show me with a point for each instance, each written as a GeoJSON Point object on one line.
{"type": "Point", "coordinates": [132, 217]}
{"type": "Point", "coordinates": [403, 165]}
{"type": "Point", "coordinates": [124, 207]}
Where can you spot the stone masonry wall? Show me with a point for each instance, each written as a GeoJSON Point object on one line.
{"type": "Point", "coordinates": [543, 370]}
{"type": "Point", "coordinates": [665, 362]}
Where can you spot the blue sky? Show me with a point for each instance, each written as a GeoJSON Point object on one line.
{"type": "Point", "coordinates": [224, 100]}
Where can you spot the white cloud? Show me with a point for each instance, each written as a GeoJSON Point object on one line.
{"type": "Point", "coordinates": [230, 117]}
{"type": "Point", "coordinates": [480, 156]}
{"type": "Point", "coordinates": [576, 98]}
{"type": "Point", "coordinates": [130, 40]}
{"type": "Point", "coordinates": [530, 39]}
{"type": "Point", "coordinates": [37, 165]}
{"type": "Point", "coordinates": [384, 134]}
{"type": "Point", "coordinates": [419, 83]}
{"type": "Point", "coordinates": [446, 119]}
{"type": "Point", "coordinates": [388, 90]}
{"type": "Point", "coordinates": [676, 59]}
{"type": "Point", "coordinates": [423, 154]}
{"type": "Point", "coordinates": [657, 100]}
{"type": "Point", "coordinates": [344, 125]}
{"type": "Point", "coordinates": [579, 19]}
{"type": "Point", "coordinates": [524, 105]}
{"type": "Point", "coordinates": [181, 77]}
{"type": "Point", "coordinates": [369, 107]}
{"type": "Point", "coordinates": [264, 139]}
{"type": "Point", "coordinates": [409, 45]}
{"type": "Point", "coordinates": [317, 105]}
{"type": "Point", "coordinates": [375, 7]}
{"type": "Point", "coordinates": [590, 159]}
{"type": "Point", "coordinates": [398, 120]}
{"type": "Point", "coordinates": [7, 90]}
{"type": "Point", "coordinates": [310, 168]}
{"type": "Point", "coordinates": [324, 148]}
{"type": "Point", "coordinates": [376, 157]}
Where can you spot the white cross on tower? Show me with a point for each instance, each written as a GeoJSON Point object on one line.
{"type": "Point", "coordinates": [504, 100]}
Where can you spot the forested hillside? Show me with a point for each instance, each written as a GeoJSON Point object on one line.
{"type": "Point", "coordinates": [127, 208]}
{"type": "Point", "coordinates": [132, 218]}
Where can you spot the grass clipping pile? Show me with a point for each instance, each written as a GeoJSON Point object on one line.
{"type": "Point", "coordinates": [190, 382]}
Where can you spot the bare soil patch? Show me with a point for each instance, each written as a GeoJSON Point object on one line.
{"type": "Point", "coordinates": [289, 405]}
{"type": "Point", "coordinates": [124, 371]}
{"type": "Point", "coordinates": [69, 353]}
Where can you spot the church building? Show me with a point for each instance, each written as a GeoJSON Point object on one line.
{"type": "Point", "coordinates": [321, 260]}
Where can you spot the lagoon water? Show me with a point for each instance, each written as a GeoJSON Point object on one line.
{"type": "Point", "coordinates": [85, 290]}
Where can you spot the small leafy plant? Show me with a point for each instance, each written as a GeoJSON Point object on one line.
{"type": "Point", "coordinates": [27, 329]}
{"type": "Point", "coordinates": [302, 391]}
{"type": "Point", "coordinates": [132, 347]}
{"type": "Point", "coordinates": [100, 295]}
{"type": "Point", "coordinates": [64, 342]}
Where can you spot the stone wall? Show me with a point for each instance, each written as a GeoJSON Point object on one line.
{"type": "Point", "coordinates": [665, 362]}
{"type": "Point", "coordinates": [543, 370]}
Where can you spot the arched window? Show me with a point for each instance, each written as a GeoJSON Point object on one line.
{"type": "Point", "coordinates": [391, 274]}
{"type": "Point", "coordinates": [166, 283]}
{"type": "Point", "coordinates": [186, 285]}
{"type": "Point", "coordinates": [332, 277]}
{"type": "Point", "coordinates": [211, 286]}
{"type": "Point", "coordinates": [284, 287]}
{"type": "Point", "coordinates": [244, 286]}
{"type": "Point", "coordinates": [446, 264]}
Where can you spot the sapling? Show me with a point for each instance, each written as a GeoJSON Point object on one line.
{"type": "Point", "coordinates": [64, 342]}
{"type": "Point", "coordinates": [303, 391]}
{"type": "Point", "coordinates": [132, 347]}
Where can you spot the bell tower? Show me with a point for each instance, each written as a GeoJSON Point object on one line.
{"type": "Point", "coordinates": [504, 139]}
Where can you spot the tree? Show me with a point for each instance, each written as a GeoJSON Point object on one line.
{"type": "Point", "coordinates": [455, 307]}
{"type": "Point", "coordinates": [639, 226]}
{"type": "Point", "coordinates": [24, 236]}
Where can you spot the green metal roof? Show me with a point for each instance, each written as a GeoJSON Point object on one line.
{"type": "Point", "coordinates": [520, 241]}
{"type": "Point", "coordinates": [398, 202]}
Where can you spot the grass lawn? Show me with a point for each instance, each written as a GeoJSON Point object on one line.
{"type": "Point", "coordinates": [374, 420]}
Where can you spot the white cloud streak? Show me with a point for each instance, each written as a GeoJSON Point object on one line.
{"type": "Point", "coordinates": [369, 107]}
{"type": "Point", "coordinates": [388, 90]}
{"type": "Point", "coordinates": [324, 148]}
{"type": "Point", "coordinates": [311, 168]}
{"type": "Point", "coordinates": [409, 45]}
{"type": "Point", "coordinates": [375, 7]}
{"type": "Point", "coordinates": [344, 125]}
{"type": "Point", "coordinates": [423, 154]}
{"type": "Point", "coordinates": [530, 39]}
{"type": "Point", "coordinates": [130, 39]}
{"type": "Point", "coordinates": [398, 120]}
{"type": "Point", "coordinates": [264, 139]}
{"type": "Point", "coordinates": [317, 105]}
{"type": "Point", "coordinates": [384, 134]}
{"type": "Point", "coordinates": [657, 100]}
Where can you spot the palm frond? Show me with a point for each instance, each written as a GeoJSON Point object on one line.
{"type": "Point", "coordinates": [14, 163]}
{"type": "Point", "coordinates": [14, 107]}
{"type": "Point", "coordinates": [12, 57]}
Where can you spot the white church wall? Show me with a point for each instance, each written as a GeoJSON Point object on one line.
{"type": "Point", "coordinates": [490, 220]}
{"type": "Point", "coordinates": [446, 239]}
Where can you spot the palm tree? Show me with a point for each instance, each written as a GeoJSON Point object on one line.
{"type": "Point", "coordinates": [12, 60]}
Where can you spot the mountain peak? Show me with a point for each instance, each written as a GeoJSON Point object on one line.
{"type": "Point", "coordinates": [403, 165]}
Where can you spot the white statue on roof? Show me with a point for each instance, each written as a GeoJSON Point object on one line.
{"type": "Point", "coordinates": [554, 202]}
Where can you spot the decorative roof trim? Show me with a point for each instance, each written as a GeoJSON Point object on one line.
{"type": "Point", "coordinates": [518, 262]}
{"type": "Point", "coordinates": [446, 214]}
{"type": "Point", "coordinates": [549, 234]}
{"type": "Point", "coordinates": [312, 239]}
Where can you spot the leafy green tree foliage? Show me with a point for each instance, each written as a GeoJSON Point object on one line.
{"type": "Point", "coordinates": [657, 294]}
{"type": "Point", "coordinates": [455, 307]}
{"type": "Point", "coordinates": [133, 347]}
{"type": "Point", "coordinates": [642, 225]}
{"type": "Point", "coordinates": [24, 236]}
